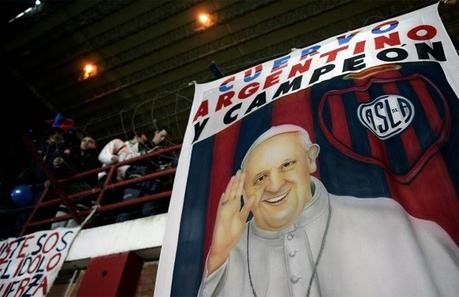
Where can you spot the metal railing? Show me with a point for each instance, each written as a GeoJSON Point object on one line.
{"type": "Point", "coordinates": [55, 193]}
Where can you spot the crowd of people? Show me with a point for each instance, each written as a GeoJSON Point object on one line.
{"type": "Point", "coordinates": [65, 152]}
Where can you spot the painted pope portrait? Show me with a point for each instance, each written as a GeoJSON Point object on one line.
{"type": "Point", "coordinates": [279, 232]}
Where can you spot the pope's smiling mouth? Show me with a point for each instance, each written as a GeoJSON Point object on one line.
{"type": "Point", "coordinates": [276, 200]}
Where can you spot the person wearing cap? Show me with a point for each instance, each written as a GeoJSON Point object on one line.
{"type": "Point", "coordinates": [304, 241]}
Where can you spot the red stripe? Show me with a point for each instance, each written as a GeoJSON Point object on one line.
{"type": "Point", "coordinates": [296, 109]}
{"type": "Point", "coordinates": [431, 196]}
{"type": "Point", "coordinates": [222, 166]}
{"type": "Point", "coordinates": [339, 121]}
{"type": "Point", "coordinates": [411, 144]}
{"type": "Point", "coordinates": [427, 105]}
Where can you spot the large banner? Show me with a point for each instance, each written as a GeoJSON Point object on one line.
{"type": "Point", "coordinates": [30, 264]}
{"type": "Point", "coordinates": [330, 171]}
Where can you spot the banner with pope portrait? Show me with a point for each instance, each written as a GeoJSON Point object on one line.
{"type": "Point", "coordinates": [329, 171]}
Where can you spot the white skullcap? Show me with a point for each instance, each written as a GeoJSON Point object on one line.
{"type": "Point", "coordinates": [276, 130]}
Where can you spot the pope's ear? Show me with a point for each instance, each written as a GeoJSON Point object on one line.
{"type": "Point", "coordinates": [312, 154]}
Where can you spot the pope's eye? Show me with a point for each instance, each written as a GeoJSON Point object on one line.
{"type": "Point", "coordinates": [288, 164]}
{"type": "Point", "coordinates": [260, 179]}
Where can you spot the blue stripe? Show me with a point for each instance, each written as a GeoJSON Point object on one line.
{"type": "Point", "coordinates": [326, 114]}
{"type": "Point", "coordinates": [189, 258]}
{"type": "Point", "coordinates": [357, 130]}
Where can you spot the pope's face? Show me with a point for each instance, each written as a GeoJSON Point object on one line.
{"type": "Point", "coordinates": [278, 178]}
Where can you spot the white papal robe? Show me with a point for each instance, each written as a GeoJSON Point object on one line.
{"type": "Point", "coordinates": [373, 248]}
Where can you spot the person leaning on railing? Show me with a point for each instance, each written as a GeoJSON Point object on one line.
{"type": "Point", "coordinates": [82, 160]}
{"type": "Point", "coordinates": [118, 150]}
{"type": "Point", "coordinates": [147, 187]}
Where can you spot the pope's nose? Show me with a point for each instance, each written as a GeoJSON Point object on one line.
{"type": "Point", "coordinates": [275, 182]}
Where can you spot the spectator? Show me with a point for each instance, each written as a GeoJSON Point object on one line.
{"type": "Point", "coordinates": [57, 154]}
{"type": "Point", "coordinates": [87, 158]}
{"type": "Point", "coordinates": [161, 162]}
{"type": "Point", "coordinates": [59, 146]}
{"type": "Point", "coordinates": [147, 187]}
{"type": "Point", "coordinates": [158, 138]}
{"type": "Point", "coordinates": [117, 151]}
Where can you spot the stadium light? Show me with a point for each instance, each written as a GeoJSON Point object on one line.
{"type": "Point", "coordinates": [205, 20]}
{"type": "Point", "coordinates": [89, 70]}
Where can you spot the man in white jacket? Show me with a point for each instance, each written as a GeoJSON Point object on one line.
{"type": "Point", "coordinates": [117, 151]}
{"type": "Point", "coordinates": [303, 241]}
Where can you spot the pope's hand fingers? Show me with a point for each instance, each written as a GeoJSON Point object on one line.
{"type": "Point", "coordinates": [229, 186]}
{"type": "Point", "coordinates": [226, 194]}
{"type": "Point", "coordinates": [229, 205]}
{"type": "Point", "coordinates": [240, 185]}
{"type": "Point", "coordinates": [234, 185]}
{"type": "Point", "coordinates": [246, 209]}
{"type": "Point", "coordinates": [223, 200]}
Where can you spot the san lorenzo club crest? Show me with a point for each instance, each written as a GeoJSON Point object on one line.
{"type": "Point", "coordinates": [398, 110]}
{"type": "Point", "coordinates": [387, 115]}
